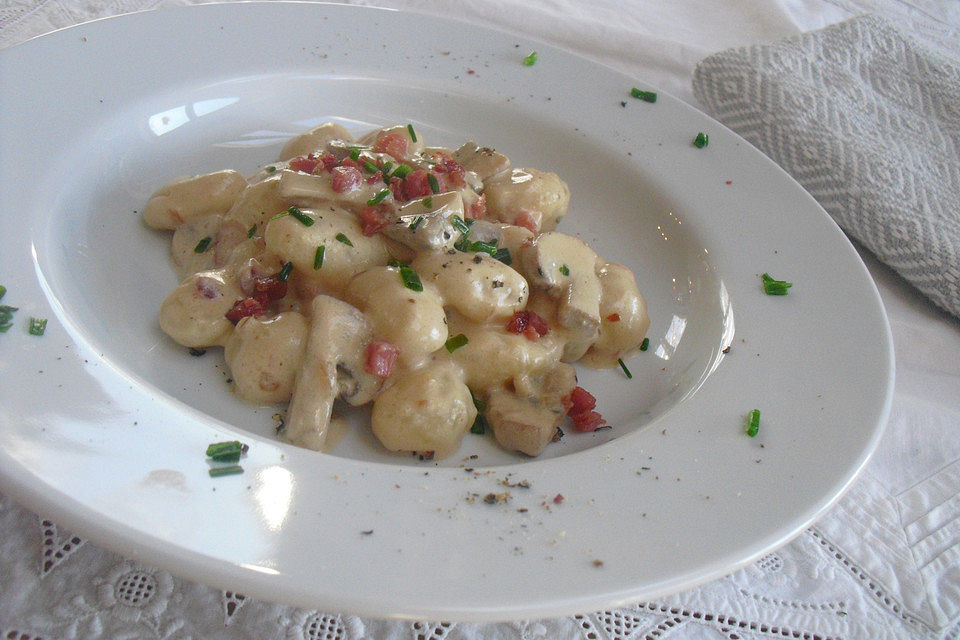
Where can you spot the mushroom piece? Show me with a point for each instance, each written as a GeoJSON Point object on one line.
{"type": "Point", "coordinates": [188, 198]}
{"type": "Point", "coordinates": [566, 268]}
{"type": "Point", "coordinates": [314, 140]}
{"type": "Point", "coordinates": [333, 366]}
{"type": "Point", "coordinates": [425, 224]}
{"type": "Point", "coordinates": [483, 161]}
{"type": "Point", "coordinates": [526, 418]}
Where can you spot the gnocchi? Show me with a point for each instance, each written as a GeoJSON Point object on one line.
{"type": "Point", "coordinates": [379, 270]}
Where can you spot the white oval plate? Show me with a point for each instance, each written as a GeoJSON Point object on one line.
{"type": "Point", "coordinates": [104, 422]}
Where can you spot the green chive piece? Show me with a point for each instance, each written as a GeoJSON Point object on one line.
{"type": "Point", "coordinates": [483, 247]}
{"type": "Point", "coordinates": [402, 170]}
{"type": "Point", "coordinates": [377, 199]}
{"type": "Point", "coordinates": [455, 342]}
{"type": "Point", "coordinates": [503, 255]}
{"type": "Point", "coordinates": [385, 168]}
{"type": "Point", "coordinates": [460, 224]}
{"type": "Point", "coordinates": [318, 257]}
{"type": "Point", "coordinates": [531, 59]}
{"type": "Point", "coordinates": [203, 245]}
{"type": "Point", "coordinates": [252, 231]}
{"type": "Point", "coordinates": [229, 470]}
{"type": "Point", "coordinates": [304, 219]}
{"type": "Point", "coordinates": [6, 317]}
{"type": "Point", "coordinates": [227, 456]}
{"type": "Point", "coordinates": [434, 185]}
{"type": "Point", "coordinates": [701, 140]}
{"type": "Point", "coordinates": [270, 169]}
{"type": "Point", "coordinates": [285, 271]}
{"type": "Point", "coordinates": [344, 239]}
{"type": "Point", "coordinates": [774, 287]}
{"type": "Point", "coordinates": [5, 326]}
{"type": "Point", "coordinates": [369, 167]}
{"type": "Point", "coordinates": [3, 291]}
{"type": "Point", "coordinates": [564, 270]}
{"type": "Point", "coordinates": [354, 153]}
{"type": "Point", "coordinates": [37, 326]}
{"type": "Point", "coordinates": [480, 423]}
{"type": "Point", "coordinates": [428, 202]}
{"type": "Point", "coordinates": [646, 96]}
{"type": "Point", "coordinates": [396, 263]}
{"type": "Point", "coordinates": [413, 134]}
{"type": "Point", "coordinates": [220, 448]}
{"type": "Point", "coordinates": [416, 223]}
{"type": "Point", "coordinates": [410, 279]}
{"type": "Point", "coordinates": [753, 423]}
{"type": "Point", "coordinates": [645, 344]}
{"type": "Point", "coordinates": [623, 366]}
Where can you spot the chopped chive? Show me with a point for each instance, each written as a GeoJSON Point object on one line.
{"type": "Point", "coordinates": [369, 167]}
{"type": "Point", "coordinates": [285, 271]}
{"type": "Point", "coordinates": [531, 59]}
{"type": "Point", "coordinates": [354, 153]}
{"type": "Point", "coordinates": [270, 169]}
{"type": "Point", "coordinates": [480, 246]}
{"type": "Point", "coordinates": [229, 470]}
{"type": "Point", "coordinates": [5, 326]}
{"type": "Point", "coordinates": [753, 423]}
{"type": "Point", "coordinates": [304, 219]}
{"type": "Point", "coordinates": [344, 239]}
{"type": "Point", "coordinates": [377, 199]}
{"type": "Point", "coordinates": [701, 140]}
{"type": "Point", "coordinates": [645, 344]}
{"type": "Point", "coordinates": [623, 366]}
{"type": "Point", "coordinates": [3, 291]}
{"type": "Point", "coordinates": [227, 456]}
{"type": "Point", "coordinates": [203, 245]}
{"type": "Point", "coordinates": [413, 134]}
{"type": "Point", "coordinates": [218, 448]}
{"type": "Point", "coordinates": [318, 257]}
{"type": "Point", "coordinates": [564, 270]}
{"type": "Point", "coordinates": [385, 168]}
{"type": "Point", "coordinates": [428, 202]}
{"type": "Point", "coordinates": [460, 224]}
{"type": "Point", "coordinates": [410, 279]}
{"type": "Point", "coordinates": [402, 170]}
{"type": "Point", "coordinates": [37, 326]}
{"type": "Point", "coordinates": [480, 423]}
{"type": "Point", "coordinates": [455, 342]}
{"type": "Point", "coordinates": [252, 231]}
{"type": "Point", "coordinates": [6, 317]}
{"type": "Point", "coordinates": [416, 223]}
{"type": "Point", "coordinates": [646, 96]}
{"type": "Point", "coordinates": [774, 287]}
{"type": "Point", "coordinates": [503, 255]}
{"type": "Point", "coordinates": [434, 185]}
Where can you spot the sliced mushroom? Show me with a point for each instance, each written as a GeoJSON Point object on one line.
{"type": "Point", "coordinates": [526, 418]}
{"type": "Point", "coordinates": [566, 268]}
{"type": "Point", "coordinates": [333, 367]}
{"type": "Point", "coordinates": [483, 161]}
{"type": "Point", "coordinates": [426, 224]}
{"type": "Point", "coordinates": [188, 198]}
{"type": "Point", "coordinates": [310, 190]}
{"type": "Point", "coordinates": [314, 140]}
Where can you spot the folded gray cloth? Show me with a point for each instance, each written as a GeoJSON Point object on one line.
{"type": "Point", "coordinates": [867, 119]}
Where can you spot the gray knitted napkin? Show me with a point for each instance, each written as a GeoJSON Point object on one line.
{"type": "Point", "coordinates": [867, 119]}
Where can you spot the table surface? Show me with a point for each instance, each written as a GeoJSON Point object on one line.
{"type": "Point", "coordinates": [822, 585]}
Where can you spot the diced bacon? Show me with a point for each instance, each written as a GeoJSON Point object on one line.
{"type": "Point", "coordinates": [450, 173]}
{"type": "Point", "coordinates": [372, 220]}
{"type": "Point", "coordinates": [267, 289]}
{"type": "Point", "coordinates": [526, 220]}
{"type": "Point", "coordinates": [208, 287]}
{"type": "Point", "coordinates": [614, 317]}
{"type": "Point", "coordinates": [393, 144]}
{"type": "Point", "coordinates": [380, 357]}
{"type": "Point", "coordinates": [329, 160]}
{"type": "Point", "coordinates": [588, 421]}
{"type": "Point", "coordinates": [581, 400]}
{"type": "Point", "coordinates": [531, 325]}
{"type": "Point", "coordinates": [244, 308]}
{"type": "Point", "coordinates": [350, 162]}
{"type": "Point", "coordinates": [415, 185]}
{"type": "Point", "coordinates": [345, 179]}
{"type": "Point", "coordinates": [375, 178]}
{"type": "Point", "coordinates": [478, 208]}
{"type": "Point", "coordinates": [306, 164]}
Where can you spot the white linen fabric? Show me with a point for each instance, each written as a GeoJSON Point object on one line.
{"type": "Point", "coordinates": [867, 119]}
{"type": "Point", "coordinates": [883, 563]}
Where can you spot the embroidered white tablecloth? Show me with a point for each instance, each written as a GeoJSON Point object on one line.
{"type": "Point", "coordinates": [883, 563]}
